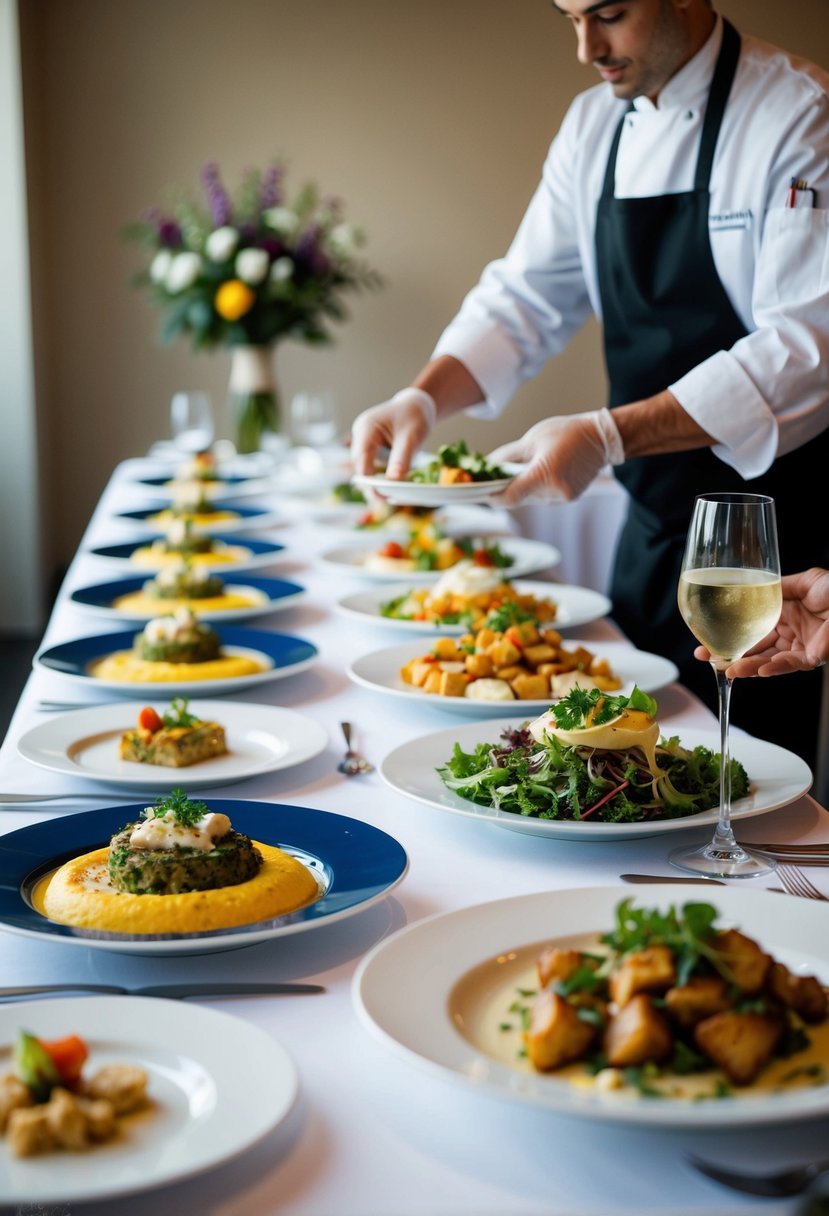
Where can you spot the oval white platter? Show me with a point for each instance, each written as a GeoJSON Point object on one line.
{"type": "Point", "coordinates": [529, 557]}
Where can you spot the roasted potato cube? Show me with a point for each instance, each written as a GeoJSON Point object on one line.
{"type": "Point", "coordinates": [526, 633]}
{"type": "Point", "coordinates": [510, 672]}
{"type": "Point", "coordinates": [606, 683]}
{"type": "Point", "coordinates": [453, 683]}
{"type": "Point", "coordinates": [530, 688]}
{"type": "Point", "coordinates": [552, 637]}
{"type": "Point", "coordinates": [504, 653]}
{"type": "Point", "coordinates": [433, 679]}
{"type": "Point", "coordinates": [650, 970]}
{"type": "Point", "coordinates": [556, 1035]}
{"type": "Point", "coordinates": [100, 1118]}
{"type": "Point", "coordinates": [739, 1043]}
{"type": "Point", "coordinates": [480, 665]}
{"type": "Point", "coordinates": [747, 963]}
{"type": "Point", "coordinates": [14, 1095]}
{"type": "Point", "coordinates": [542, 653]}
{"type": "Point", "coordinates": [637, 1034]}
{"type": "Point", "coordinates": [553, 964]}
{"type": "Point", "coordinates": [582, 657]}
{"type": "Point", "coordinates": [484, 638]}
{"type": "Point", "coordinates": [67, 1123]}
{"type": "Point", "coordinates": [28, 1131]}
{"type": "Point", "coordinates": [700, 998]}
{"type": "Point", "coordinates": [802, 993]}
{"type": "Point", "coordinates": [124, 1085]}
{"type": "Point", "coordinates": [419, 671]}
{"type": "Point", "coordinates": [447, 648]}
{"type": "Point", "coordinates": [451, 475]}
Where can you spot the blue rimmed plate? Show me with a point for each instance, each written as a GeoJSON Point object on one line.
{"type": "Point", "coordinates": [238, 517]}
{"type": "Point", "coordinates": [266, 595]}
{"type": "Point", "coordinates": [235, 553]}
{"type": "Point", "coordinates": [355, 864]}
{"type": "Point", "coordinates": [225, 486]}
{"type": "Point", "coordinates": [283, 654]}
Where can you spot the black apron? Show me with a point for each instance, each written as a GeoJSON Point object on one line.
{"type": "Point", "coordinates": [665, 311]}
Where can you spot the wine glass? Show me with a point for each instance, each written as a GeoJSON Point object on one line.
{"type": "Point", "coordinates": [730, 597]}
{"type": "Point", "coordinates": [191, 421]}
{"type": "Point", "coordinates": [313, 418]}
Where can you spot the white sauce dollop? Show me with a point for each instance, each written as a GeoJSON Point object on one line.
{"type": "Point", "coordinates": [465, 578]}
{"type": "Point", "coordinates": [165, 832]}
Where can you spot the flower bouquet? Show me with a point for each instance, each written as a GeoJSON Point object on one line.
{"type": "Point", "coordinates": [245, 271]}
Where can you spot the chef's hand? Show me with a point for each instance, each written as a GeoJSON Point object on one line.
{"type": "Point", "coordinates": [401, 425]}
{"type": "Point", "coordinates": [562, 456]}
{"type": "Point", "coordinates": [799, 640]}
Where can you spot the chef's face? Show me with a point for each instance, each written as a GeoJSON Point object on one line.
{"type": "Point", "coordinates": [636, 45]}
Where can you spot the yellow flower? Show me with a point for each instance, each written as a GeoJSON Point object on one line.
{"type": "Point", "coordinates": [233, 299]}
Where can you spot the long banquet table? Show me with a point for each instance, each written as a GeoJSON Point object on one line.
{"type": "Point", "coordinates": [372, 1134]}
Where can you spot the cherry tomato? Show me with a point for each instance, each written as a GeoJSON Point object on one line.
{"type": "Point", "coordinates": [68, 1055]}
{"type": "Point", "coordinates": [481, 558]}
{"type": "Point", "coordinates": [392, 549]}
{"type": "Point", "coordinates": [149, 720]}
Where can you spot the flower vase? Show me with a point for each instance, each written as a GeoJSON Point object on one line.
{"type": "Point", "coordinates": [254, 396]}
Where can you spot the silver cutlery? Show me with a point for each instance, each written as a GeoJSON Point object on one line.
{"type": "Point", "coordinates": [778, 1185]}
{"type": "Point", "coordinates": [21, 799]}
{"type": "Point", "coordinates": [794, 882]}
{"type": "Point", "coordinates": [174, 991]}
{"type": "Point", "coordinates": [645, 878]}
{"type": "Point", "coordinates": [818, 849]}
{"type": "Point", "coordinates": [51, 706]}
{"type": "Point", "coordinates": [352, 762]}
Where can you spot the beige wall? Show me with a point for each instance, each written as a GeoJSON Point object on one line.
{"type": "Point", "coordinates": [429, 117]}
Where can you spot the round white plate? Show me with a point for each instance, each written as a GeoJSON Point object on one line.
{"type": "Point", "coordinates": [260, 739]}
{"type": "Point", "coordinates": [777, 778]}
{"type": "Point", "coordinates": [429, 1032]}
{"type": "Point", "coordinates": [576, 606]}
{"type": "Point", "coordinates": [529, 557]}
{"type": "Point", "coordinates": [473, 520]}
{"type": "Point", "coordinates": [428, 494]}
{"type": "Point", "coordinates": [208, 1106]}
{"type": "Point", "coordinates": [380, 671]}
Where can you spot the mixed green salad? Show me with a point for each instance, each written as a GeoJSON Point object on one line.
{"type": "Point", "coordinates": [553, 780]}
{"type": "Point", "coordinates": [472, 465]}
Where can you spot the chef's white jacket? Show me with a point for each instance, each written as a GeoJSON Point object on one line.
{"type": "Point", "coordinates": [770, 392]}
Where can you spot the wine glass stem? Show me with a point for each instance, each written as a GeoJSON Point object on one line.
{"type": "Point", "coordinates": [724, 836]}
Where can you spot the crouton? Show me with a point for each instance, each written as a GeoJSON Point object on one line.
{"type": "Point", "coordinates": [637, 1034]}
{"type": "Point", "coordinates": [802, 993]}
{"type": "Point", "coordinates": [649, 970]}
{"type": "Point", "coordinates": [746, 963]}
{"type": "Point", "coordinates": [700, 998]}
{"type": "Point", "coordinates": [741, 1044]}
{"type": "Point", "coordinates": [556, 1035]}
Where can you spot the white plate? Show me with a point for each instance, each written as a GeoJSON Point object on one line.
{"type": "Point", "coordinates": [428, 1032]}
{"type": "Point", "coordinates": [576, 606]}
{"type": "Point", "coordinates": [777, 778]}
{"type": "Point", "coordinates": [428, 494]}
{"type": "Point", "coordinates": [530, 557]}
{"type": "Point", "coordinates": [380, 671]}
{"type": "Point", "coordinates": [209, 1105]}
{"type": "Point", "coordinates": [260, 738]}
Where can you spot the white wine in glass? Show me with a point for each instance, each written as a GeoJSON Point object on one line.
{"type": "Point", "coordinates": [730, 597]}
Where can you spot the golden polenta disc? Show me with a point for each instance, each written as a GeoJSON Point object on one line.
{"type": "Point", "coordinates": [79, 893]}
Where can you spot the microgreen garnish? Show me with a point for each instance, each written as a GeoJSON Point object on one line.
{"type": "Point", "coordinates": [177, 714]}
{"type": "Point", "coordinates": [179, 807]}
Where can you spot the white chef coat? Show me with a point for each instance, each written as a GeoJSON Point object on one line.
{"type": "Point", "coordinates": [770, 392]}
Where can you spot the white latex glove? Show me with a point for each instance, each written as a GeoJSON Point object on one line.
{"type": "Point", "coordinates": [401, 425]}
{"type": "Point", "coordinates": [561, 457]}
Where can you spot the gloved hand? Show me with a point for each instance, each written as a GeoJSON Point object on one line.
{"type": "Point", "coordinates": [401, 425]}
{"type": "Point", "coordinates": [561, 457]}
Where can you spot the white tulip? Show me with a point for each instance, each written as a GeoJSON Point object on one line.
{"type": "Point", "coordinates": [160, 265]}
{"type": "Point", "coordinates": [282, 220]}
{"type": "Point", "coordinates": [222, 243]}
{"type": "Point", "coordinates": [344, 238]}
{"type": "Point", "coordinates": [252, 265]}
{"type": "Point", "coordinates": [185, 268]}
{"type": "Point", "coordinates": [282, 269]}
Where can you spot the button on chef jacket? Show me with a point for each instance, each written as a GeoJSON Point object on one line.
{"type": "Point", "coordinates": [772, 259]}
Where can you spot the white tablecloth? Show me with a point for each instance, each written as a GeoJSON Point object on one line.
{"type": "Point", "coordinates": [371, 1134]}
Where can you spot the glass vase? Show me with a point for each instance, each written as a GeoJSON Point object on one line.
{"type": "Point", "coordinates": [254, 396]}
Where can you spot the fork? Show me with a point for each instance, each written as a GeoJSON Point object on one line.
{"type": "Point", "coordinates": [795, 882]}
{"type": "Point", "coordinates": [352, 762]}
{"type": "Point", "coordinates": [793, 1181]}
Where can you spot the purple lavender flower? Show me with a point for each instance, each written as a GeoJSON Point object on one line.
{"type": "Point", "coordinates": [217, 196]}
{"type": "Point", "coordinates": [271, 190]}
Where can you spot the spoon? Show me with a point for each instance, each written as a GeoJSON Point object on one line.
{"type": "Point", "coordinates": [792, 1181]}
{"type": "Point", "coordinates": [352, 763]}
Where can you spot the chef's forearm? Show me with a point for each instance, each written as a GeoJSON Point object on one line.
{"type": "Point", "coordinates": [658, 425]}
{"type": "Point", "coordinates": [450, 384]}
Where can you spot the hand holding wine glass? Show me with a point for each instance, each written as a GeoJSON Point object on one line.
{"type": "Point", "coordinates": [730, 597]}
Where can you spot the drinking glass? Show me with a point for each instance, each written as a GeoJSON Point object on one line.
{"type": "Point", "coordinates": [313, 418]}
{"type": "Point", "coordinates": [191, 421]}
{"type": "Point", "coordinates": [730, 597]}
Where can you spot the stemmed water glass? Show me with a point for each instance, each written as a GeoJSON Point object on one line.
{"type": "Point", "coordinates": [730, 597]}
{"type": "Point", "coordinates": [191, 420]}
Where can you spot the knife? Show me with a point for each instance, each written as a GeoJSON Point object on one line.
{"type": "Point", "coordinates": [708, 882]}
{"type": "Point", "coordinates": [174, 991]}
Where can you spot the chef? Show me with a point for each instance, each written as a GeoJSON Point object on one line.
{"type": "Point", "coordinates": [683, 202]}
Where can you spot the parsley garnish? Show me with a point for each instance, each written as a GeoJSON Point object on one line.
{"type": "Point", "coordinates": [179, 807]}
{"type": "Point", "coordinates": [177, 714]}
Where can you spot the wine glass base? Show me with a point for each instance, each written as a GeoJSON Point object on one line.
{"type": "Point", "coordinates": [722, 861]}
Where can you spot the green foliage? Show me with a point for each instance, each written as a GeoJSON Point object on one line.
{"type": "Point", "coordinates": [176, 804]}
